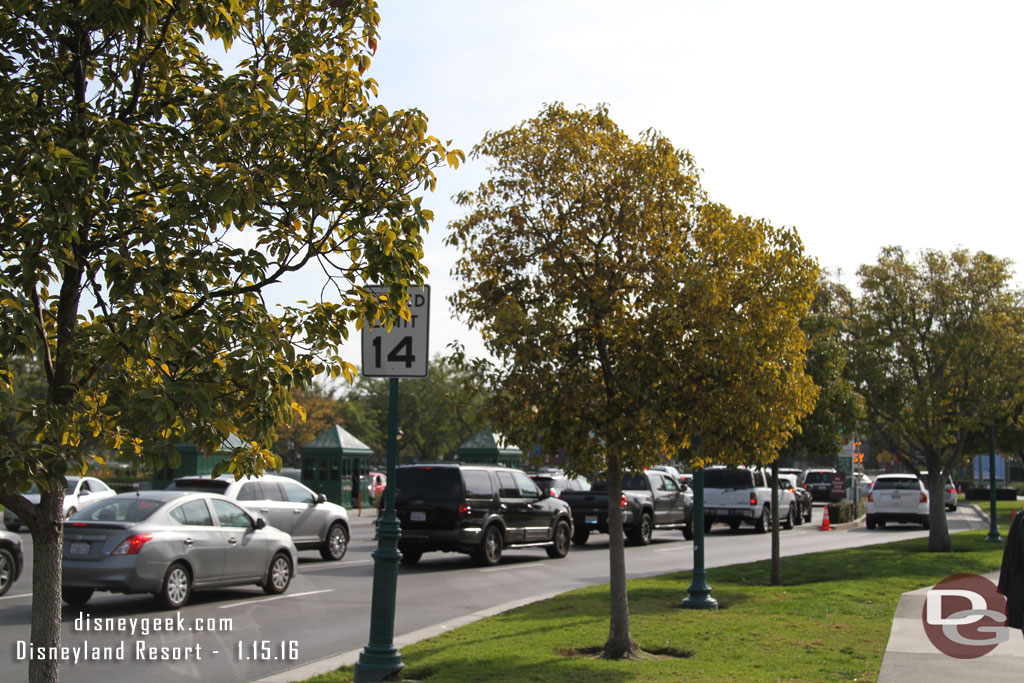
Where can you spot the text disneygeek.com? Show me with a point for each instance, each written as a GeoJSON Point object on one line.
{"type": "Point", "coordinates": [141, 650]}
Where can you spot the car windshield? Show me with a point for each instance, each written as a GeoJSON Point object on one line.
{"type": "Point", "coordinates": [199, 484]}
{"type": "Point", "coordinates": [127, 509]}
{"type": "Point", "coordinates": [724, 478]}
{"type": "Point", "coordinates": [428, 482]}
{"type": "Point", "coordinates": [897, 483]}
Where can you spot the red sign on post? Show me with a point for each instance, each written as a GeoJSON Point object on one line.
{"type": "Point", "coordinates": [838, 485]}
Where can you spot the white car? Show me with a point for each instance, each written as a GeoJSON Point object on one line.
{"type": "Point", "coordinates": [80, 492]}
{"type": "Point", "coordinates": [314, 523]}
{"type": "Point", "coordinates": [897, 498]}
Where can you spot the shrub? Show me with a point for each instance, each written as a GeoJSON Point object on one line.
{"type": "Point", "coordinates": [839, 513]}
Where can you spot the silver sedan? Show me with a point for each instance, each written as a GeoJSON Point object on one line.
{"type": "Point", "coordinates": [169, 543]}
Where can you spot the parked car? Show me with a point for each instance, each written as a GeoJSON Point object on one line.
{"type": "Point", "coordinates": [671, 469]}
{"type": "Point", "coordinates": [12, 559]}
{"type": "Point", "coordinates": [312, 521]}
{"type": "Point", "coordinates": [897, 498]}
{"type": "Point", "coordinates": [819, 483]}
{"type": "Point", "coordinates": [798, 474]}
{"type": "Point", "coordinates": [949, 494]}
{"type": "Point", "coordinates": [804, 502]}
{"type": "Point", "coordinates": [650, 500]}
{"type": "Point", "coordinates": [480, 510]}
{"type": "Point", "coordinates": [80, 492]}
{"type": "Point", "coordinates": [169, 543]}
{"type": "Point", "coordinates": [557, 481]}
{"type": "Point", "coordinates": [738, 495]}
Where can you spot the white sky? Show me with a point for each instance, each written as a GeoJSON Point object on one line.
{"type": "Point", "coordinates": [860, 124]}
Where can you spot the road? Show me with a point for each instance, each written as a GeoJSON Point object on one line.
{"type": "Point", "coordinates": [241, 634]}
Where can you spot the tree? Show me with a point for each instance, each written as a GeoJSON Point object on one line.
{"type": "Point", "coordinates": [149, 198]}
{"type": "Point", "coordinates": [627, 313]}
{"type": "Point", "coordinates": [436, 413]}
{"type": "Point", "coordinates": [928, 345]}
{"type": "Point", "coordinates": [321, 409]}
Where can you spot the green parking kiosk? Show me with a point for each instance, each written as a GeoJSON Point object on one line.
{"type": "Point", "coordinates": [337, 465]}
{"type": "Point", "coordinates": [193, 462]}
{"type": "Point", "coordinates": [486, 447]}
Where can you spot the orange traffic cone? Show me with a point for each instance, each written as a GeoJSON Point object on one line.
{"type": "Point", "coordinates": [825, 525]}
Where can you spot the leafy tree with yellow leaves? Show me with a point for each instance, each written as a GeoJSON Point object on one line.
{"type": "Point", "coordinates": [625, 311]}
{"type": "Point", "coordinates": [151, 196]}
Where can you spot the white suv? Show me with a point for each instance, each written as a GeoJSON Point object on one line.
{"type": "Point", "coordinates": [286, 504]}
{"type": "Point", "coordinates": [897, 498]}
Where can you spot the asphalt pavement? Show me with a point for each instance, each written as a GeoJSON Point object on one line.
{"type": "Point", "coordinates": [909, 654]}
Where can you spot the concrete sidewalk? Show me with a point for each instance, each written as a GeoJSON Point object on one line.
{"type": "Point", "coordinates": [910, 656]}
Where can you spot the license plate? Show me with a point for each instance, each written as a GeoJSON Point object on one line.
{"type": "Point", "coordinates": [417, 516]}
{"type": "Point", "coordinates": [79, 549]}
{"type": "Point", "coordinates": [591, 519]}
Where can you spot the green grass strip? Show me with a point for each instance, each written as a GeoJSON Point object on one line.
{"type": "Point", "coordinates": [829, 621]}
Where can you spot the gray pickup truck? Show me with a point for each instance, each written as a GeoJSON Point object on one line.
{"type": "Point", "coordinates": [650, 500]}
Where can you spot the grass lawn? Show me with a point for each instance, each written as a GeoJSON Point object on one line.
{"type": "Point", "coordinates": [829, 621]}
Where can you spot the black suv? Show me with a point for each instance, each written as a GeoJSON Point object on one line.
{"type": "Point", "coordinates": [477, 509]}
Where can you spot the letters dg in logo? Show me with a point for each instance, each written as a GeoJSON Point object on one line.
{"type": "Point", "coordinates": [965, 616]}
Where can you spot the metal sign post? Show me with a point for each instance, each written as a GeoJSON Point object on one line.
{"type": "Point", "coordinates": [402, 352]}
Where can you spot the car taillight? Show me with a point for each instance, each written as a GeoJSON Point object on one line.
{"type": "Point", "coordinates": [924, 497]}
{"type": "Point", "coordinates": [753, 499]}
{"type": "Point", "coordinates": [554, 493]}
{"type": "Point", "coordinates": [871, 496]}
{"type": "Point", "coordinates": [132, 545]}
{"type": "Point", "coordinates": [807, 486]}
{"type": "Point", "coordinates": [623, 500]}
{"type": "Point", "coordinates": [463, 509]}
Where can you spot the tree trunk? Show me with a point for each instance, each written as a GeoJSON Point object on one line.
{"type": "Point", "coordinates": [938, 529]}
{"type": "Point", "coordinates": [47, 545]}
{"type": "Point", "coordinates": [620, 642]}
{"type": "Point", "coordinates": [776, 564]}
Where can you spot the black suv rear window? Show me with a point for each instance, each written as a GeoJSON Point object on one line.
{"type": "Point", "coordinates": [728, 479]}
{"type": "Point", "coordinates": [428, 482]}
{"type": "Point", "coordinates": [199, 484]}
{"type": "Point", "coordinates": [818, 478]}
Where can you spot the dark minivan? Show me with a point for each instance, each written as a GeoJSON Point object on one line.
{"type": "Point", "coordinates": [477, 509]}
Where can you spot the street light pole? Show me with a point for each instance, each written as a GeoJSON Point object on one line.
{"type": "Point", "coordinates": [993, 522]}
{"type": "Point", "coordinates": [699, 592]}
{"type": "Point", "coordinates": [380, 659]}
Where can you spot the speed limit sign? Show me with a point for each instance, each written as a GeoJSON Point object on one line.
{"type": "Point", "coordinates": [403, 351]}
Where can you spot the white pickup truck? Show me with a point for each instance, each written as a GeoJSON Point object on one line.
{"type": "Point", "coordinates": [737, 495]}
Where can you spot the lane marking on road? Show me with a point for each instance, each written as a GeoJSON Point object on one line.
{"type": "Point", "coordinates": [332, 565]}
{"type": "Point", "coordinates": [672, 550]}
{"type": "Point", "coordinates": [279, 597]}
{"type": "Point", "coordinates": [20, 595]}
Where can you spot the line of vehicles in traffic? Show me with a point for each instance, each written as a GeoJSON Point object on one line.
{"type": "Point", "coordinates": [204, 532]}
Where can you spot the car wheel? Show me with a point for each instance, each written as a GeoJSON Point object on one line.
{"type": "Point", "coordinates": [489, 552]}
{"type": "Point", "coordinates": [75, 596]}
{"type": "Point", "coordinates": [560, 544]}
{"type": "Point", "coordinates": [335, 544]}
{"type": "Point", "coordinates": [13, 527]}
{"type": "Point", "coordinates": [411, 557]}
{"type": "Point", "coordinates": [870, 522]}
{"type": "Point", "coordinates": [71, 511]}
{"type": "Point", "coordinates": [279, 575]}
{"type": "Point", "coordinates": [688, 532]}
{"type": "Point", "coordinates": [790, 521]}
{"type": "Point", "coordinates": [764, 523]}
{"type": "Point", "coordinates": [580, 535]}
{"type": "Point", "coordinates": [176, 587]}
{"type": "Point", "coordinates": [6, 570]}
{"type": "Point", "coordinates": [640, 534]}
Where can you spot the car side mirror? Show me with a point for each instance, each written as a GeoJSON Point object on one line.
{"type": "Point", "coordinates": [321, 498]}
{"type": "Point", "coordinates": [544, 492]}
{"type": "Point", "coordinates": [260, 522]}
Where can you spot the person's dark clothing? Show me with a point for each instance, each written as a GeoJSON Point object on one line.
{"type": "Point", "coordinates": [1011, 574]}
